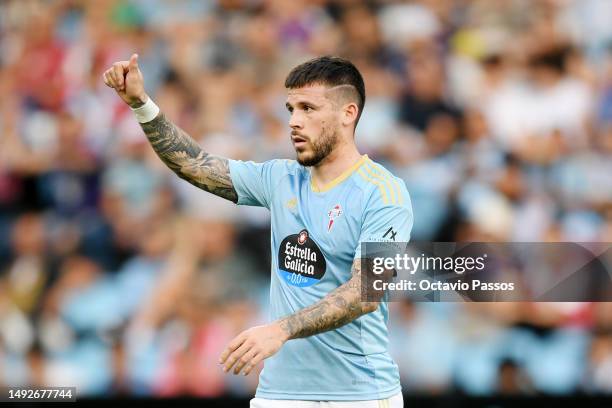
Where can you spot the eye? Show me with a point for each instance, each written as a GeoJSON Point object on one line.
{"type": "Point", "coordinates": [308, 108]}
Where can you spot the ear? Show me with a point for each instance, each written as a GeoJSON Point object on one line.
{"type": "Point", "coordinates": [350, 112]}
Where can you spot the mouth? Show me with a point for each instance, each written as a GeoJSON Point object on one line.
{"type": "Point", "coordinates": [298, 141]}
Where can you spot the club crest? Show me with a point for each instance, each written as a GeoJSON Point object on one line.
{"type": "Point", "coordinates": [334, 213]}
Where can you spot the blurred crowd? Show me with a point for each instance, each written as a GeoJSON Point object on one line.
{"type": "Point", "coordinates": [121, 279]}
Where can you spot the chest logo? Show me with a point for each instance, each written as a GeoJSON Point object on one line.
{"type": "Point", "coordinates": [390, 233]}
{"type": "Point", "coordinates": [300, 260]}
{"type": "Point", "coordinates": [334, 213]}
{"type": "Point", "coordinates": [291, 203]}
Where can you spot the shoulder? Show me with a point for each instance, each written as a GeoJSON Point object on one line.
{"type": "Point", "coordinates": [387, 210]}
{"type": "Point", "coordinates": [290, 166]}
{"type": "Point", "coordinates": [256, 182]}
{"type": "Point", "coordinates": [381, 187]}
{"type": "Point", "coordinates": [274, 167]}
{"type": "Point", "coordinates": [280, 167]}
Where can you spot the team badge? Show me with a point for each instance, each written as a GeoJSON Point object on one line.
{"type": "Point", "coordinates": [333, 214]}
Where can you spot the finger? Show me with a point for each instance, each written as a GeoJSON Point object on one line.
{"type": "Point", "coordinates": [133, 64]}
{"type": "Point", "coordinates": [244, 360]}
{"type": "Point", "coordinates": [236, 355]}
{"type": "Point", "coordinates": [117, 72]}
{"type": "Point", "coordinates": [108, 75]}
{"type": "Point", "coordinates": [119, 78]}
{"type": "Point", "coordinates": [106, 81]}
{"type": "Point", "coordinates": [253, 363]}
{"type": "Point", "coordinates": [233, 345]}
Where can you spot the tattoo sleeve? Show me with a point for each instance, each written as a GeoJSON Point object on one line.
{"type": "Point", "coordinates": [339, 307]}
{"type": "Point", "coordinates": [187, 159]}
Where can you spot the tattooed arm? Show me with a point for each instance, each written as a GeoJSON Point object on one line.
{"type": "Point", "coordinates": [339, 307]}
{"type": "Point", "coordinates": [187, 159]}
{"type": "Point", "coordinates": [176, 149]}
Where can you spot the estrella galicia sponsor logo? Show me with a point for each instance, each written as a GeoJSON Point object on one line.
{"type": "Point", "coordinates": [300, 261]}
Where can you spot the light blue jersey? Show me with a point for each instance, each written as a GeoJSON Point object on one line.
{"type": "Point", "coordinates": [316, 235]}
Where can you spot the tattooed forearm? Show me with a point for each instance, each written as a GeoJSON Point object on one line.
{"type": "Point", "coordinates": [338, 308]}
{"type": "Point", "coordinates": [187, 159]}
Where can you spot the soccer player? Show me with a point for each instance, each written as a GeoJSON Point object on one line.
{"type": "Point", "coordinates": [324, 346]}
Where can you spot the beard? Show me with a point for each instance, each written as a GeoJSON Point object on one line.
{"type": "Point", "coordinates": [320, 148]}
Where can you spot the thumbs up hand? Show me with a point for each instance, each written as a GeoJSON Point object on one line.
{"type": "Point", "coordinates": [126, 79]}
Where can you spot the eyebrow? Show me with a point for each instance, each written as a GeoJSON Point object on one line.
{"type": "Point", "coordinates": [314, 105]}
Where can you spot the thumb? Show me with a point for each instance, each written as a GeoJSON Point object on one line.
{"type": "Point", "coordinates": [133, 65]}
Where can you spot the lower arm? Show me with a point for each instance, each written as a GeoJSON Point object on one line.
{"type": "Point", "coordinates": [338, 308]}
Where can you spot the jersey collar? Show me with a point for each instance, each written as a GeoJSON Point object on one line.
{"type": "Point", "coordinates": [346, 174]}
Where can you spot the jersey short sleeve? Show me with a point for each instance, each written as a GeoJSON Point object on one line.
{"type": "Point", "coordinates": [386, 223]}
{"type": "Point", "coordinates": [255, 182]}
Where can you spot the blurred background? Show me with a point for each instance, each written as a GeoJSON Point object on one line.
{"type": "Point", "coordinates": [123, 280]}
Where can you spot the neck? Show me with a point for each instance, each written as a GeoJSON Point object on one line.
{"type": "Point", "coordinates": [338, 161]}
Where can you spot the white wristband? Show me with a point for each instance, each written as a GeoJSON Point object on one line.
{"type": "Point", "coordinates": [146, 112]}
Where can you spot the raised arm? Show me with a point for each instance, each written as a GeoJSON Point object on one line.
{"type": "Point", "coordinates": [337, 308]}
{"type": "Point", "coordinates": [187, 159]}
{"type": "Point", "coordinates": [175, 147]}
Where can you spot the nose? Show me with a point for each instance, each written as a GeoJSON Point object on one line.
{"type": "Point", "coordinates": [295, 121]}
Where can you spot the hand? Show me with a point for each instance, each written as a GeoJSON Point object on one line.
{"type": "Point", "coordinates": [251, 346]}
{"type": "Point", "coordinates": [125, 78]}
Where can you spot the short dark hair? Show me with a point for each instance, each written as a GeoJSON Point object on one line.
{"type": "Point", "coordinates": [330, 71]}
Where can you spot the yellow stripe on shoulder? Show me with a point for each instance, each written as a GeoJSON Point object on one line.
{"type": "Point", "coordinates": [375, 173]}
{"type": "Point", "coordinates": [377, 183]}
{"type": "Point", "coordinates": [400, 198]}
{"type": "Point", "coordinates": [392, 180]}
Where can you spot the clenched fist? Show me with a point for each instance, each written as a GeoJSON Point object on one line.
{"type": "Point", "coordinates": [125, 78]}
